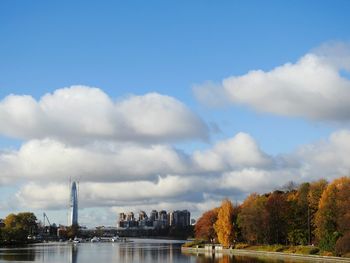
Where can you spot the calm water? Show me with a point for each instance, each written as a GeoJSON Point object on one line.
{"type": "Point", "coordinates": [141, 250]}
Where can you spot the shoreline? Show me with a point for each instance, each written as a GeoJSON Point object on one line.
{"type": "Point", "coordinates": [265, 254]}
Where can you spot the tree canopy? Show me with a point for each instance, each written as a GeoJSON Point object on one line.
{"type": "Point", "coordinates": [311, 213]}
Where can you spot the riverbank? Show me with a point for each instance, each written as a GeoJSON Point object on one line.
{"type": "Point", "coordinates": [264, 254]}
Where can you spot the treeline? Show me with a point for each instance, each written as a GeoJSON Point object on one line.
{"type": "Point", "coordinates": [17, 227]}
{"type": "Point", "coordinates": [315, 213]}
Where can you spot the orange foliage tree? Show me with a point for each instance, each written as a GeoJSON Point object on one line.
{"type": "Point", "coordinates": [204, 228]}
{"type": "Point", "coordinates": [333, 215]}
{"type": "Point", "coordinates": [224, 224]}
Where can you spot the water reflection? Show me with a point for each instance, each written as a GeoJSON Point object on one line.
{"type": "Point", "coordinates": [152, 252]}
{"type": "Point", "coordinates": [17, 255]}
{"type": "Point", "coordinates": [74, 254]}
{"type": "Point", "coordinates": [145, 251]}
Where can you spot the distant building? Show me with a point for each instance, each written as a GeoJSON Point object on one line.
{"type": "Point", "coordinates": [122, 217]}
{"type": "Point", "coordinates": [154, 215]}
{"type": "Point", "coordinates": [162, 219]}
{"type": "Point", "coordinates": [180, 218]}
{"type": "Point", "coordinates": [130, 216]}
{"type": "Point", "coordinates": [142, 216]}
{"type": "Point", "coordinates": [73, 205]}
{"type": "Point", "coordinates": [156, 219]}
{"type": "Point", "coordinates": [143, 220]}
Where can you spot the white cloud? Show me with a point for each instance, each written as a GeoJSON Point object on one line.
{"type": "Point", "coordinates": [312, 88]}
{"type": "Point", "coordinates": [48, 160]}
{"type": "Point", "coordinates": [134, 174]}
{"type": "Point", "coordinates": [328, 158]}
{"type": "Point", "coordinates": [113, 175]}
{"type": "Point", "coordinates": [165, 189]}
{"type": "Point", "coordinates": [237, 152]}
{"type": "Point", "coordinates": [81, 113]}
{"type": "Point", "coordinates": [53, 196]}
{"type": "Point", "coordinates": [335, 53]}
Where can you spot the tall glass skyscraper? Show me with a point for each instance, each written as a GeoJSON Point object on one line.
{"type": "Point", "coordinates": [74, 204]}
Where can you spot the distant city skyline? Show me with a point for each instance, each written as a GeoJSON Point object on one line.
{"type": "Point", "coordinates": [168, 106]}
{"type": "Point", "coordinates": [155, 220]}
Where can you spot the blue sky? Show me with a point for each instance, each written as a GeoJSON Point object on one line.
{"type": "Point", "coordinates": [168, 47]}
{"type": "Point", "coordinates": [164, 47]}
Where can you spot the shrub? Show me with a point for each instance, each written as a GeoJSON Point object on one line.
{"type": "Point", "coordinates": [280, 248]}
{"type": "Point", "coordinates": [314, 251]}
{"type": "Point", "coordinates": [342, 245]}
{"type": "Point", "coordinates": [194, 243]}
{"type": "Point", "coordinates": [241, 246]}
{"type": "Point", "coordinates": [306, 250]}
{"type": "Point", "coordinates": [326, 253]}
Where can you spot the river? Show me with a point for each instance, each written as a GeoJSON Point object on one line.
{"type": "Point", "coordinates": [139, 250]}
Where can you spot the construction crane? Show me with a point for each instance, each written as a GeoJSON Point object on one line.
{"type": "Point", "coordinates": [46, 230]}
{"type": "Point", "coordinates": [45, 216]}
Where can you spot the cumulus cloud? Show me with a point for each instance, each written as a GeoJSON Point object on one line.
{"type": "Point", "coordinates": [81, 113]}
{"type": "Point", "coordinates": [116, 174]}
{"type": "Point", "coordinates": [52, 196]}
{"type": "Point", "coordinates": [109, 194]}
{"type": "Point", "coordinates": [328, 158]}
{"type": "Point", "coordinates": [313, 87]}
{"type": "Point", "coordinates": [48, 159]}
{"type": "Point", "coordinates": [117, 169]}
{"type": "Point", "coordinates": [234, 168]}
{"type": "Point", "coordinates": [238, 152]}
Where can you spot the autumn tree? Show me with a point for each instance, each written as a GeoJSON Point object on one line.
{"type": "Point", "coordinates": [204, 228]}
{"type": "Point", "coordinates": [299, 215]}
{"type": "Point", "coordinates": [277, 209]}
{"type": "Point", "coordinates": [236, 229]}
{"type": "Point", "coordinates": [224, 224]}
{"type": "Point", "coordinates": [18, 227]}
{"type": "Point", "coordinates": [10, 221]}
{"type": "Point", "coordinates": [315, 192]}
{"type": "Point", "coordinates": [333, 215]}
{"type": "Point", "coordinates": [252, 219]}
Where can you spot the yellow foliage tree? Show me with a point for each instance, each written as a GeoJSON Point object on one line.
{"type": "Point", "coordinates": [333, 215]}
{"type": "Point", "coordinates": [224, 224]}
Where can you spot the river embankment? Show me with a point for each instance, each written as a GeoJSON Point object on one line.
{"type": "Point", "coordinates": [264, 254]}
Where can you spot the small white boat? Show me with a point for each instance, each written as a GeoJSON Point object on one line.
{"type": "Point", "coordinates": [77, 240]}
{"type": "Point", "coordinates": [95, 239]}
{"type": "Point", "coordinates": [115, 239]}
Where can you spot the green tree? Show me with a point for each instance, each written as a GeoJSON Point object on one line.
{"type": "Point", "coordinates": [299, 215]}
{"type": "Point", "coordinates": [18, 227]}
{"type": "Point", "coordinates": [252, 219]}
{"type": "Point", "coordinates": [277, 209]}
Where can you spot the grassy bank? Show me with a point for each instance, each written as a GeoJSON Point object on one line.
{"type": "Point", "coordinates": [289, 249]}
{"type": "Point", "coordinates": [304, 250]}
